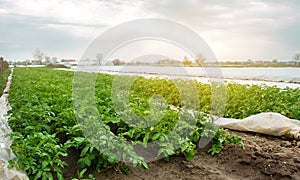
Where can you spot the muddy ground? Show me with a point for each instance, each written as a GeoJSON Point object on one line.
{"type": "Point", "coordinates": [264, 157]}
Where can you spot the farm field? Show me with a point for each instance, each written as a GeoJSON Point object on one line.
{"type": "Point", "coordinates": [49, 143]}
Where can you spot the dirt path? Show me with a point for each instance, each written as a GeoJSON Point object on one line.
{"type": "Point", "coordinates": [264, 157]}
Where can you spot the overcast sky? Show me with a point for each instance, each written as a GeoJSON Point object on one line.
{"type": "Point", "coordinates": [234, 29]}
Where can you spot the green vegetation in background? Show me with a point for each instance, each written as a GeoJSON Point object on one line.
{"type": "Point", "coordinates": [3, 80]}
{"type": "Point", "coordinates": [56, 66]}
{"type": "Point", "coordinates": [45, 128]}
{"type": "Point", "coordinates": [4, 73]}
{"type": "Point", "coordinates": [246, 100]}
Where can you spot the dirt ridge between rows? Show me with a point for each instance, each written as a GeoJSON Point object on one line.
{"type": "Point", "coordinates": [264, 157]}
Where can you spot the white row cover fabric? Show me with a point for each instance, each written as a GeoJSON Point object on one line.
{"type": "Point", "coordinates": [269, 123]}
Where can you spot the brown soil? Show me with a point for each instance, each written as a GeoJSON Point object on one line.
{"type": "Point", "coordinates": [264, 157]}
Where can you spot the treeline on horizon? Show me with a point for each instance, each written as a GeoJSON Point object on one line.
{"type": "Point", "coordinates": [186, 62]}
{"type": "Point", "coordinates": [189, 63]}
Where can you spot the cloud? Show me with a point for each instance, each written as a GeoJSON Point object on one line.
{"type": "Point", "coordinates": [61, 13]}
{"type": "Point", "coordinates": [57, 25]}
{"type": "Point", "coordinates": [19, 39]}
{"type": "Point", "coordinates": [234, 29]}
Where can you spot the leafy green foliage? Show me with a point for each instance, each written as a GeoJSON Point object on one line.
{"type": "Point", "coordinates": [45, 127]}
{"type": "Point", "coordinates": [223, 137]}
{"type": "Point", "coordinates": [38, 154]}
{"type": "Point", "coordinates": [245, 100]}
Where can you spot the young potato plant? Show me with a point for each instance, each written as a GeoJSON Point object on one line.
{"type": "Point", "coordinates": [39, 154]}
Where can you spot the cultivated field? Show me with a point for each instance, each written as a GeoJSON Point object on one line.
{"type": "Point", "coordinates": [49, 143]}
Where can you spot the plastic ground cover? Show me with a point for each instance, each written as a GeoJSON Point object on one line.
{"type": "Point", "coordinates": [269, 123]}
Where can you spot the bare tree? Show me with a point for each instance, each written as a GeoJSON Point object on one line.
{"type": "Point", "coordinates": [54, 60]}
{"type": "Point", "coordinates": [296, 57]}
{"type": "Point", "coordinates": [99, 57]}
{"type": "Point", "coordinates": [47, 59]}
{"type": "Point", "coordinates": [117, 62]}
{"type": "Point", "coordinates": [38, 55]}
{"type": "Point", "coordinates": [186, 61]}
{"type": "Point", "coordinates": [274, 61]}
{"type": "Point", "coordinates": [200, 59]}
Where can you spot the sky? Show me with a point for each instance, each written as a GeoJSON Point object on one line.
{"type": "Point", "coordinates": [234, 29]}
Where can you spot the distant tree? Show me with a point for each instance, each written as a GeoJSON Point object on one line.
{"type": "Point", "coordinates": [23, 63]}
{"type": "Point", "coordinates": [117, 62]}
{"type": "Point", "coordinates": [275, 61]}
{"type": "Point", "coordinates": [99, 58]}
{"type": "Point", "coordinates": [54, 59]}
{"type": "Point", "coordinates": [38, 55]}
{"type": "Point", "coordinates": [47, 59]}
{"type": "Point", "coordinates": [186, 61]}
{"type": "Point", "coordinates": [27, 61]}
{"type": "Point", "coordinates": [296, 57]}
{"type": "Point", "coordinates": [200, 59]}
{"type": "Point", "coordinates": [1, 66]}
